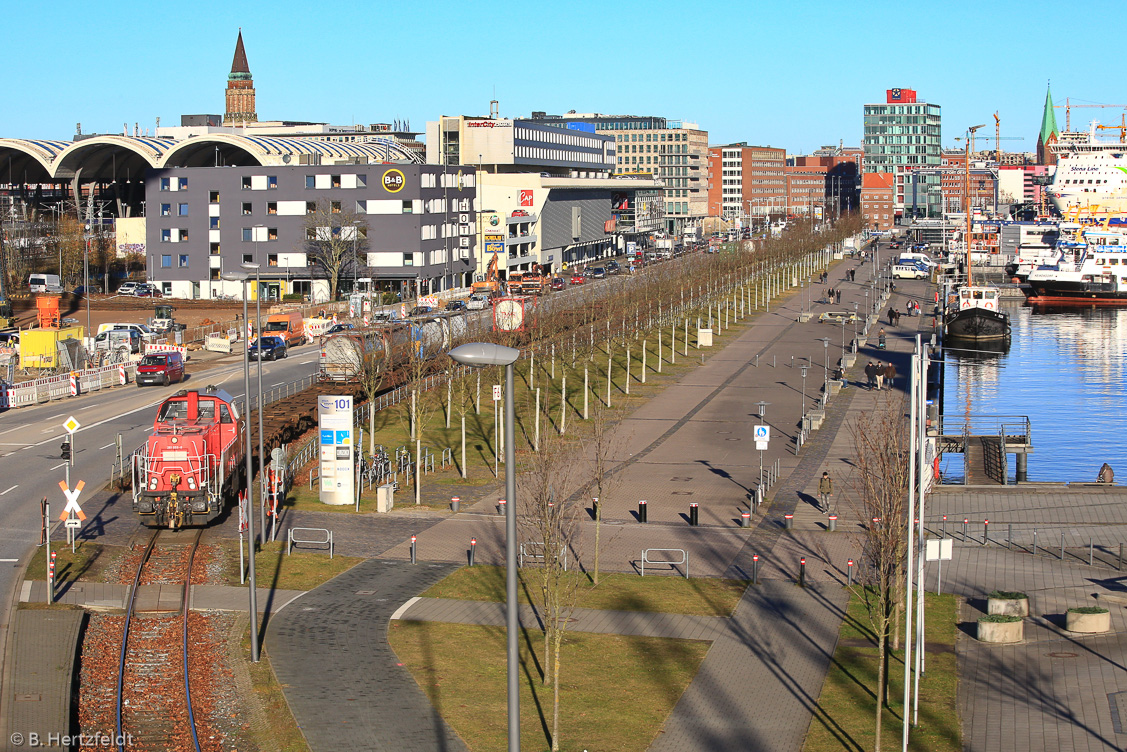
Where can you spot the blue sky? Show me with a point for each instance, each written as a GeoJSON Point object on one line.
{"type": "Point", "coordinates": [792, 75]}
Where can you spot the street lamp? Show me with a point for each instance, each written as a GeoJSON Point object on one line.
{"type": "Point", "coordinates": [482, 355]}
{"type": "Point", "coordinates": [803, 369]}
{"type": "Point", "coordinates": [258, 334]}
{"type": "Point", "coordinates": [825, 366]}
{"type": "Point", "coordinates": [242, 277]}
{"type": "Point", "coordinates": [762, 414]}
{"type": "Point", "coordinates": [854, 327]}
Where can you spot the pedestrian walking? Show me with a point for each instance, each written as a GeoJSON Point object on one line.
{"type": "Point", "coordinates": [825, 491]}
{"type": "Point", "coordinates": [889, 375]}
{"type": "Point", "coordinates": [892, 317]}
{"type": "Point", "coordinates": [871, 374]}
{"type": "Point", "coordinates": [880, 375]}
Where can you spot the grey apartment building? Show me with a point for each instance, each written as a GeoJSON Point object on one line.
{"type": "Point", "coordinates": [410, 228]}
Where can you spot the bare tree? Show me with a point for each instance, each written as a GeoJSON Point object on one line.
{"type": "Point", "coordinates": [372, 359]}
{"type": "Point", "coordinates": [418, 406]}
{"type": "Point", "coordinates": [880, 488]}
{"type": "Point", "coordinates": [601, 442]}
{"type": "Point", "coordinates": [333, 235]}
{"type": "Point", "coordinates": [551, 524]}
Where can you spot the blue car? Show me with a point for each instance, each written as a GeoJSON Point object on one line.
{"type": "Point", "coordinates": [267, 348]}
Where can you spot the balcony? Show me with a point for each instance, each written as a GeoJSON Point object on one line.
{"type": "Point", "coordinates": [530, 239]}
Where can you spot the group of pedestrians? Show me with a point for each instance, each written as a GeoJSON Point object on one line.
{"type": "Point", "coordinates": [880, 375]}
{"type": "Point", "coordinates": [833, 296]}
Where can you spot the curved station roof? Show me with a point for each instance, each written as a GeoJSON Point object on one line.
{"type": "Point", "coordinates": [112, 158]}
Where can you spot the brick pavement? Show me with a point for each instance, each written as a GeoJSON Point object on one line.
{"type": "Point", "coordinates": [341, 679]}
{"type": "Point", "coordinates": [37, 689]}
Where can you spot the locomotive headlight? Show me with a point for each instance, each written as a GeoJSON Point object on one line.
{"type": "Point", "coordinates": [191, 483]}
{"type": "Point", "coordinates": [152, 484]}
{"type": "Point", "coordinates": [175, 440]}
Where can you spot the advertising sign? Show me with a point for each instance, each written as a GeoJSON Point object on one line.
{"type": "Point", "coordinates": [494, 244]}
{"type": "Point", "coordinates": [334, 419]}
{"type": "Point", "coordinates": [526, 197]}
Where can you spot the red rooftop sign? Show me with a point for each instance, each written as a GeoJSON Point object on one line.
{"type": "Point", "coordinates": [901, 96]}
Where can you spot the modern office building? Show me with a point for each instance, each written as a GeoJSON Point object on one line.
{"type": "Point", "coordinates": [671, 151]}
{"type": "Point", "coordinates": [747, 181]}
{"type": "Point", "coordinates": [903, 134]}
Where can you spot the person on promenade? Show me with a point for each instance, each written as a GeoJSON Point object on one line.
{"type": "Point", "coordinates": [825, 491]}
{"type": "Point", "coordinates": [871, 374]}
{"type": "Point", "coordinates": [889, 375]}
{"type": "Point", "coordinates": [880, 375]}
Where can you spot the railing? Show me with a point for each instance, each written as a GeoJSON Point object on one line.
{"type": "Point", "coordinates": [58, 387]}
{"type": "Point", "coordinates": [1017, 428]}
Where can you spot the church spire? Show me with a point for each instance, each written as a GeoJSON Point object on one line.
{"type": "Point", "coordinates": [1049, 134]}
{"type": "Point", "coordinates": [240, 89]}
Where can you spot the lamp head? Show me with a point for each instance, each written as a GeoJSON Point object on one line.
{"type": "Point", "coordinates": [484, 354]}
{"type": "Point", "coordinates": [248, 265]}
{"type": "Point", "coordinates": [234, 276]}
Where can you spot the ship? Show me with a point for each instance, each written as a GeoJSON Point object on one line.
{"type": "Point", "coordinates": [976, 315]}
{"type": "Point", "coordinates": [1092, 272]}
{"type": "Point", "coordinates": [1091, 177]}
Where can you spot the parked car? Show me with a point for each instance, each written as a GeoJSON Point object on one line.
{"type": "Point", "coordinates": [908, 271]}
{"type": "Point", "coordinates": [119, 339]}
{"type": "Point", "coordinates": [578, 278]}
{"type": "Point", "coordinates": [456, 306]}
{"type": "Point", "coordinates": [160, 368]}
{"type": "Point", "coordinates": [148, 291]}
{"type": "Point", "coordinates": [267, 347]}
{"type": "Point", "coordinates": [83, 289]}
{"type": "Point", "coordinates": [420, 310]}
{"type": "Point", "coordinates": [344, 327]}
{"type": "Point", "coordinates": [598, 272]}
{"type": "Point", "coordinates": [519, 213]}
{"type": "Point", "coordinates": [613, 267]}
{"type": "Point", "coordinates": [557, 283]}
{"type": "Point", "coordinates": [127, 288]}
{"type": "Point", "coordinates": [477, 302]}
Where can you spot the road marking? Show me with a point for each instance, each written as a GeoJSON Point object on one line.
{"type": "Point", "coordinates": [13, 488]}
{"type": "Point", "coordinates": [56, 467]}
{"type": "Point", "coordinates": [56, 416]}
{"type": "Point", "coordinates": [88, 407]}
{"type": "Point", "coordinates": [107, 446]}
{"type": "Point", "coordinates": [280, 383]}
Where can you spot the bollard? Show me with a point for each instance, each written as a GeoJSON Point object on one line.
{"type": "Point", "coordinates": [642, 511]}
{"type": "Point", "coordinates": [501, 507]}
{"type": "Point", "coordinates": [1034, 541]}
{"type": "Point", "coordinates": [755, 569]}
{"type": "Point", "coordinates": [1089, 552]}
{"type": "Point", "coordinates": [788, 521]}
{"type": "Point", "coordinates": [802, 572]}
{"type": "Point", "coordinates": [1010, 536]}
{"type": "Point", "coordinates": [943, 530]}
{"type": "Point", "coordinates": [693, 510]}
{"type": "Point", "coordinates": [966, 522]}
{"type": "Point", "coordinates": [1062, 546]}
{"type": "Point", "coordinates": [876, 522]}
{"type": "Point", "coordinates": [455, 503]}
{"type": "Point", "coordinates": [414, 539]}
{"type": "Point", "coordinates": [1119, 566]}
{"type": "Point", "coordinates": [849, 570]}
{"type": "Point", "coordinates": [833, 523]}
{"type": "Point", "coordinates": [985, 532]}
{"type": "Point", "coordinates": [473, 548]}
{"type": "Point", "coordinates": [745, 519]}
{"type": "Point", "coordinates": [595, 507]}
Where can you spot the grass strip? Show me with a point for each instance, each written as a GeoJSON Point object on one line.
{"type": "Point", "coordinates": [615, 690]}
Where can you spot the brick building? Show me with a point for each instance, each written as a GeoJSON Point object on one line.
{"type": "Point", "coordinates": [747, 180]}
{"type": "Point", "coordinates": [878, 201]}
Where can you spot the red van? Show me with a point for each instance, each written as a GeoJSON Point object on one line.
{"type": "Point", "coordinates": [160, 368]}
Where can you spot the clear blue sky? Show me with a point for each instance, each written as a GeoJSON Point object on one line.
{"type": "Point", "coordinates": [792, 75]}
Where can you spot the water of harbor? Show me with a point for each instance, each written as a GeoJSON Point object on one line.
{"type": "Point", "coordinates": [1065, 368]}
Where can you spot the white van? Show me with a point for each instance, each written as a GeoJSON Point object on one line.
{"type": "Point", "coordinates": [44, 283]}
{"type": "Point", "coordinates": [908, 271]}
{"type": "Point", "coordinates": [914, 258]}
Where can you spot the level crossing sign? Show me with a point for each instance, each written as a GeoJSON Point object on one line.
{"type": "Point", "coordinates": [72, 500]}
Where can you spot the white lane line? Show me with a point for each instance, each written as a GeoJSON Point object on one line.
{"type": "Point", "coordinates": [13, 488]}
{"type": "Point", "coordinates": [107, 446]}
{"type": "Point", "coordinates": [56, 416]}
{"type": "Point", "coordinates": [88, 407]}
{"type": "Point", "coordinates": [100, 422]}
{"type": "Point", "coordinates": [56, 467]}
{"type": "Point", "coordinates": [280, 383]}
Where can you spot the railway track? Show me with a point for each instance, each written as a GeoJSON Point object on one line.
{"type": "Point", "coordinates": [153, 707]}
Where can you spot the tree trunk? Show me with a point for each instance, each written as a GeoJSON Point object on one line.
{"type": "Point", "coordinates": [464, 469]}
{"type": "Point", "coordinates": [881, 670]}
{"type": "Point", "coordinates": [556, 694]}
{"type": "Point", "coordinates": [598, 530]}
{"type": "Point", "coordinates": [610, 360]}
{"type": "Point", "coordinates": [418, 471]}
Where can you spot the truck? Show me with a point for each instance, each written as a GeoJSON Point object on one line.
{"type": "Point", "coordinates": [534, 282]}
{"type": "Point", "coordinates": [288, 326]}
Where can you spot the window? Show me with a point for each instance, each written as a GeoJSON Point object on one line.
{"type": "Point", "coordinates": [361, 207]}
{"type": "Point", "coordinates": [166, 261]}
{"type": "Point", "coordinates": [213, 197]}
{"type": "Point", "coordinates": [166, 210]}
{"type": "Point", "coordinates": [334, 207]}
{"type": "Point", "coordinates": [272, 233]}
{"type": "Point", "coordinates": [184, 236]}
{"type": "Point", "coordinates": [271, 207]}
{"type": "Point", "coordinates": [213, 223]}
{"type": "Point", "coordinates": [272, 259]}
{"type": "Point", "coordinates": [310, 181]}
{"type": "Point", "coordinates": [408, 259]}
{"type": "Point", "coordinates": [361, 181]}
{"type": "Point", "coordinates": [248, 234]}
{"type": "Point", "coordinates": [166, 235]}
{"type": "Point", "coordinates": [182, 260]}
{"type": "Point", "coordinates": [336, 181]}
{"type": "Point", "coordinates": [310, 207]}
{"type": "Point", "coordinates": [247, 210]}
{"type": "Point", "coordinates": [248, 258]}
{"type": "Point", "coordinates": [183, 210]}
{"type": "Point", "coordinates": [246, 182]}
{"type": "Point", "coordinates": [165, 184]}
{"type": "Point", "coordinates": [407, 207]}
{"type": "Point", "coordinates": [215, 249]}
{"type": "Point", "coordinates": [271, 182]}
{"type": "Point", "coordinates": [183, 183]}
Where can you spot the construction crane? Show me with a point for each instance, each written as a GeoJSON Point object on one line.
{"type": "Point", "coordinates": [1122, 128]}
{"type": "Point", "coordinates": [1068, 110]}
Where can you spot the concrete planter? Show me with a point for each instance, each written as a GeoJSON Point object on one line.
{"type": "Point", "coordinates": [1008, 606]}
{"type": "Point", "coordinates": [1001, 631]}
{"type": "Point", "coordinates": [1090, 623]}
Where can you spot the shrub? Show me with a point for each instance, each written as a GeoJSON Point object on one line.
{"type": "Point", "coordinates": [293, 297]}
{"type": "Point", "coordinates": [1006, 595]}
{"type": "Point", "coordinates": [1087, 610]}
{"type": "Point", "coordinates": [999, 619]}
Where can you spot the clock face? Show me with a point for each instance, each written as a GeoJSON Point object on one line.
{"type": "Point", "coordinates": [508, 315]}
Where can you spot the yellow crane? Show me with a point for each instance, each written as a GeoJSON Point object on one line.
{"type": "Point", "coordinates": [1068, 110]}
{"type": "Point", "coordinates": [1122, 128]}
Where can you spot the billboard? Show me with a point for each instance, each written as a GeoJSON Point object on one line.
{"type": "Point", "coordinates": [334, 421]}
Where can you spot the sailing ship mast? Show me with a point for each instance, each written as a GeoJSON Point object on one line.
{"type": "Point", "coordinates": [966, 196]}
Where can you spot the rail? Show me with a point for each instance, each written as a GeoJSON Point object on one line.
{"type": "Point", "coordinates": [1015, 429]}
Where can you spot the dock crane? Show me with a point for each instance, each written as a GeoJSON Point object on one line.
{"type": "Point", "coordinates": [1068, 110]}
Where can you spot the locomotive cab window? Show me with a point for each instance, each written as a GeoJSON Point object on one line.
{"type": "Point", "coordinates": [175, 410]}
{"type": "Point", "coordinates": [207, 411]}
{"type": "Point", "coordinates": [224, 414]}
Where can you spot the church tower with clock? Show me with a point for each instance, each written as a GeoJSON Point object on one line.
{"type": "Point", "coordinates": [240, 89]}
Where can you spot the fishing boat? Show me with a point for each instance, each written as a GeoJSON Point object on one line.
{"type": "Point", "coordinates": [975, 315]}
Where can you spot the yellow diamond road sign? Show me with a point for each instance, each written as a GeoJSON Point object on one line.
{"type": "Point", "coordinates": [71, 425]}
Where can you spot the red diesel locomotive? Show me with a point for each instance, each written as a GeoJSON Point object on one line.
{"type": "Point", "coordinates": [191, 464]}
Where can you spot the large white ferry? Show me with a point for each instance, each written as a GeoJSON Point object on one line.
{"type": "Point", "coordinates": [1092, 270]}
{"type": "Point", "coordinates": [1091, 177]}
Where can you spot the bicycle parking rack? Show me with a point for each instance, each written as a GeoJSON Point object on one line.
{"type": "Point", "coordinates": [528, 550]}
{"type": "Point", "coordinates": [296, 536]}
{"type": "Point", "coordinates": [671, 563]}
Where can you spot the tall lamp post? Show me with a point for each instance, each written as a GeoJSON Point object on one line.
{"type": "Point", "coordinates": [825, 367]}
{"type": "Point", "coordinates": [482, 355]}
{"type": "Point", "coordinates": [855, 307]}
{"type": "Point", "coordinates": [258, 334]}
{"type": "Point", "coordinates": [762, 414]}
{"type": "Point", "coordinates": [242, 277]}
{"type": "Point", "coordinates": [804, 369]}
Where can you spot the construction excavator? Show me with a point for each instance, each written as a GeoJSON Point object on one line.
{"type": "Point", "coordinates": [491, 284]}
